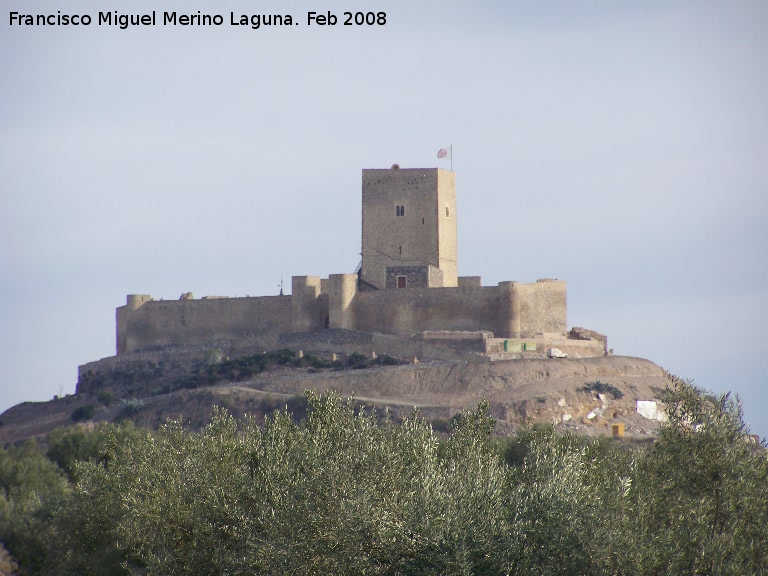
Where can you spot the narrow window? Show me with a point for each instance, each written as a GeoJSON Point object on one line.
{"type": "Point", "coordinates": [422, 220]}
{"type": "Point", "coordinates": [397, 210]}
{"type": "Point", "coordinates": [402, 210]}
{"type": "Point", "coordinates": [401, 249]}
{"type": "Point", "coordinates": [401, 281]}
{"type": "Point", "coordinates": [447, 214]}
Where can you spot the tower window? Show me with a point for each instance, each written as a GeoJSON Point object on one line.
{"type": "Point", "coordinates": [422, 220]}
{"type": "Point", "coordinates": [399, 210]}
{"type": "Point", "coordinates": [401, 281]}
{"type": "Point", "coordinates": [447, 213]}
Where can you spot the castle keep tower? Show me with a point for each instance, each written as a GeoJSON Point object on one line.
{"type": "Point", "coordinates": [409, 228]}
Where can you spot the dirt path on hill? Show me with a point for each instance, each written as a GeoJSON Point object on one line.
{"type": "Point", "coordinates": [521, 392]}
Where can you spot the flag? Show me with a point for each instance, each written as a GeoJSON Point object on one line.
{"type": "Point", "coordinates": [444, 152]}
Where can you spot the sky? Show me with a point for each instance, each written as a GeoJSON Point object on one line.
{"type": "Point", "coordinates": [621, 146]}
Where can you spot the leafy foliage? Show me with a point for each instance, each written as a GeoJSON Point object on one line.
{"type": "Point", "coordinates": [131, 406]}
{"type": "Point", "coordinates": [82, 413]}
{"type": "Point", "coordinates": [603, 388]}
{"type": "Point", "coordinates": [8, 565]}
{"type": "Point", "coordinates": [67, 446]}
{"type": "Point", "coordinates": [349, 491]}
{"type": "Point", "coordinates": [29, 484]}
{"type": "Point", "coordinates": [105, 398]}
{"type": "Point", "coordinates": [705, 479]}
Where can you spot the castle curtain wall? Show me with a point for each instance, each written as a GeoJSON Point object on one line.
{"type": "Point", "coordinates": [524, 309]}
{"type": "Point", "coordinates": [417, 309]}
{"type": "Point", "coordinates": [171, 322]}
{"type": "Point", "coordinates": [510, 309]}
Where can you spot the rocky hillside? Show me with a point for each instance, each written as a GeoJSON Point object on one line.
{"type": "Point", "coordinates": [585, 396]}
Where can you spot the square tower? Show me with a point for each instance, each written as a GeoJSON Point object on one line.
{"type": "Point", "coordinates": [409, 222]}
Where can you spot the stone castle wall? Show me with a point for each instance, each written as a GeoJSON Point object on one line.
{"type": "Point", "coordinates": [509, 310]}
{"type": "Point", "coordinates": [160, 323]}
{"type": "Point", "coordinates": [349, 341]}
{"type": "Point", "coordinates": [414, 310]}
{"type": "Point", "coordinates": [540, 307]}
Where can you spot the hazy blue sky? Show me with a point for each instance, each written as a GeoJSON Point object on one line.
{"type": "Point", "coordinates": [621, 146]}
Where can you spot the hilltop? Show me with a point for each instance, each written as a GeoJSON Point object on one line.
{"type": "Point", "coordinates": [585, 396]}
{"type": "Point", "coordinates": [403, 331]}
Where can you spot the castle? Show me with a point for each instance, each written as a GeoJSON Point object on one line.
{"type": "Point", "coordinates": [406, 297]}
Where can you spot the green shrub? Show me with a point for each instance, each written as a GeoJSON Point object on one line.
{"type": "Point", "coordinates": [82, 413]}
{"type": "Point", "coordinates": [513, 450]}
{"type": "Point", "coordinates": [105, 398]}
{"type": "Point", "coordinates": [281, 357]}
{"type": "Point", "coordinates": [30, 484]}
{"type": "Point", "coordinates": [131, 406]}
{"type": "Point", "coordinates": [213, 357]}
{"type": "Point", "coordinates": [357, 360]}
{"type": "Point", "coordinates": [184, 383]}
{"type": "Point", "coordinates": [602, 388]}
{"type": "Point", "coordinates": [72, 444]}
{"type": "Point", "coordinates": [386, 360]}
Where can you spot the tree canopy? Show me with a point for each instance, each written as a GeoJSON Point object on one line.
{"type": "Point", "coordinates": [349, 491]}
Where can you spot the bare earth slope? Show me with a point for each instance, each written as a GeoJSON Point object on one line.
{"type": "Point", "coordinates": [521, 392]}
